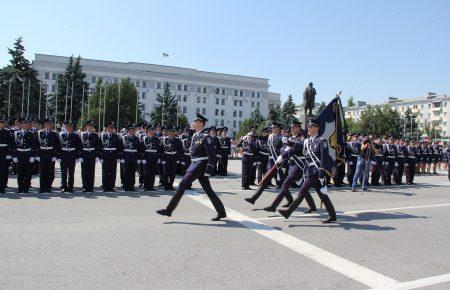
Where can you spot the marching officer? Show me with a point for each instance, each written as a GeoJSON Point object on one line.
{"type": "Point", "coordinates": [353, 150]}
{"type": "Point", "coordinates": [410, 163]}
{"type": "Point", "coordinates": [399, 162]}
{"type": "Point", "coordinates": [389, 154]}
{"type": "Point", "coordinates": [35, 126]}
{"type": "Point", "coordinates": [172, 155]}
{"type": "Point", "coordinates": [130, 158]}
{"type": "Point", "coordinates": [110, 153]}
{"type": "Point", "coordinates": [274, 143]}
{"type": "Point", "coordinates": [203, 154]}
{"type": "Point", "coordinates": [225, 150]}
{"type": "Point", "coordinates": [89, 155]}
{"type": "Point", "coordinates": [316, 154]}
{"type": "Point", "coordinates": [249, 149]}
{"type": "Point", "coordinates": [24, 151]}
{"type": "Point", "coordinates": [262, 153]}
{"type": "Point", "coordinates": [186, 140]}
{"type": "Point", "coordinates": [6, 144]}
{"type": "Point", "coordinates": [48, 151]}
{"type": "Point", "coordinates": [150, 152]}
{"type": "Point", "coordinates": [70, 152]}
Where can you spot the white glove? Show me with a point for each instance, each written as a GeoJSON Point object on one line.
{"type": "Point", "coordinates": [182, 163]}
{"type": "Point", "coordinates": [100, 160]}
{"type": "Point", "coordinates": [139, 161]}
{"type": "Point", "coordinates": [396, 164]}
{"type": "Point", "coordinates": [53, 159]}
{"type": "Point", "coordinates": [374, 163]}
{"type": "Point", "coordinates": [351, 163]}
{"type": "Point", "coordinates": [96, 159]}
{"type": "Point", "coordinates": [178, 162]}
{"type": "Point", "coordinates": [254, 163]}
{"type": "Point", "coordinates": [59, 160]}
{"type": "Point", "coordinates": [8, 157]}
{"type": "Point", "coordinates": [79, 160]}
{"type": "Point", "coordinates": [284, 140]}
{"type": "Point", "coordinates": [159, 161]}
{"type": "Point", "coordinates": [324, 190]}
{"type": "Point", "coordinates": [122, 161]}
{"type": "Point", "coordinates": [38, 158]}
{"type": "Point", "coordinates": [15, 160]}
{"type": "Point", "coordinates": [144, 161]}
{"type": "Point", "coordinates": [206, 174]}
{"type": "Point", "coordinates": [31, 159]}
{"type": "Point", "coordinates": [280, 159]}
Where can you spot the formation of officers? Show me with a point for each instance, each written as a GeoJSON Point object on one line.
{"type": "Point", "coordinates": [33, 147]}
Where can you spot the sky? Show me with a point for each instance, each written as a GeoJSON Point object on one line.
{"type": "Point", "coordinates": [370, 50]}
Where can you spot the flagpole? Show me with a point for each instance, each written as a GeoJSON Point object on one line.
{"type": "Point", "coordinates": [82, 105]}
{"type": "Point", "coordinates": [137, 105]}
{"type": "Point", "coordinates": [23, 95]}
{"type": "Point", "coordinates": [65, 105]}
{"type": "Point", "coordinates": [56, 103]}
{"type": "Point", "coordinates": [71, 103]}
{"type": "Point", "coordinates": [99, 106]}
{"type": "Point", "coordinates": [118, 107]}
{"type": "Point", "coordinates": [88, 105]}
{"type": "Point", "coordinates": [46, 101]}
{"type": "Point", "coordinates": [28, 97]}
{"type": "Point", "coordinates": [40, 98]}
{"type": "Point", "coordinates": [177, 114]}
{"type": "Point", "coordinates": [9, 98]}
{"type": "Point", "coordinates": [104, 105]}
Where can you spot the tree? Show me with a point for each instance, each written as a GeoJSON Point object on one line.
{"type": "Point", "coordinates": [21, 77]}
{"type": "Point", "coordinates": [351, 102]}
{"type": "Point", "coordinates": [257, 117]}
{"type": "Point", "coordinates": [319, 108]}
{"type": "Point", "coordinates": [274, 113]}
{"type": "Point", "coordinates": [352, 125]}
{"type": "Point", "coordinates": [410, 124]}
{"type": "Point", "coordinates": [288, 111]}
{"type": "Point", "coordinates": [167, 110]}
{"type": "Point", "coordinates": [104, 100]}
{"type": "Point", "coordinates": [381, 120]}
{"type": "Point", "coordinates": [69, 93]}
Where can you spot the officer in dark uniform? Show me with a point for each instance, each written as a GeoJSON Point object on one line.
{"type": "Point", "coordinates": [274, 143]}
{"type": "Point", "coordinates": [410, 162]}
{"type": "Point", "coordinates": [389, 154]}
{"type": "Point", "coordinates": [377, 163]}
{"type": "Point", "coordinates": [48, 151]}
{"type": "Point", "coordinates": [123, 133]}
{"type": "Point", "coordinates": [213, 134]}
{"type": "Point", "coordinates": [6, 145]}
{"type": "Point", "coordinates": [315, 150]}
{"type": "Point", "coordinates": [186, 140]}
{"type": "Point", "coordinates": [110, 154]}
{"type": "Point", "coordinates": [248, 154]}
{"type": "Point", "coordinates": [253, 129]}
{"type": "Point", "coordinates": [35, 126]}
{"type": "Point", "coordinates": [172, 155]}
{"type": "Point", "coordinates": [225, 151]}
{"type": "Point", "coordinates": [262, 153]}
{"type": "Point", "coordinates": [130, 158]}
{"type": "Point", "coordinates": [418, 151]}
{"type": "Point", "coordinates": [297, 163]}
{"type": "Point", "coordinates": [150, 152]}
{"type": "Point", "coordinates": [352, 152]}
{"type": "Point", "coordinates": [89, 155]}
{"type": "Point", "coordinates": [160, 133]}
{"type": "Point", "coordinates": [70, 152]}
{"type": "Point", "coordinates": [399, 162]}
{"type": "Point", "coordinates": [24, 152]}
{"type": "Point", "coordinates": [141, 134]}
{"type": "Point", "coordinates": [447, 152]}
{"type": "Point", "coordinates": [203, 156]}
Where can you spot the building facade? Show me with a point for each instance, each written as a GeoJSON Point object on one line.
{"type": "Point", "coordinates": [430, 111]}
{"type": "Point", "coordinates": [225, 99]}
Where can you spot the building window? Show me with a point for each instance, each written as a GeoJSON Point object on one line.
{"type": "Point", "coordinates": [222, 112]}
{"type": "Point", "coordinates": [143, 95]}
{"type": "Point", "coordinates": [179, 98]}
{"type": "Point", "coordinates": [185, 88]}
{"type": "Point", "coordinates": [222, 122]}
{"type": "Point", "coordinates": [47, 75]}
{"type": "Point", "coordinates": [258, 95]}
{"type": "Point", "coordinates": [185, 98]}
{"type": "Point", "coordinates": [204, 111]}
{"type": "Point", "coordinates": [235, 93]}
{"type": "Point", "coordinates": [53, 88]}
{"type": "Point", "coordinates": [217, 101]}
{"type": "Point", "coordinates": [184, 110]}
{"type": "Point", "coordinates": [204, 100]}
{"type": "Point", "coordinates": [144, 84]}
{"type": "Point", "coordinates": [158, 85]}
{"type": "Point", "coordinates": [257, 105]}
{"type": "Point", "coordinates": [241, 103]}
{"type": "Point", "coordinates": [93, 79]}
{"type": "Point", "coordinates": [223, 91]}
{"type": "Point", "coordinates": [253, 104]}
{"type": "Point", "coordinates": [100, 79]}
{"type": "Point", "coordinates": [199, 99]}
{"type": "Point", "coordinates": [143, 107]}
{"type": "Point", "coordinates": [179, 87]}
{"type": "Point", "coordinates": [240, 114]}
{"type": "Point", "coordinates": [138, 84]}
{"type": "Point", "coordinates": [241, 93]}
{"type": "Point", "coordinates": [235, 103]}
{"type": "Point", "coordinates": [55, 76]}
{"type": "Point", "coordinates": [205, 89]}
{"type": "Point", "coordinates": [217, 91]}
{"type": "Point", "coordinates": [240, 124]}
{"type": "Point", "coordinates": [199, 89]}
{"type": "Point", "coordinates": [253, 94]}
{"type": "Point", "coordinates": [234, 113]}
{"type": "Point", "coordinates": [223, 102]}
{"type": "Point", "coordinates": [217, 112]}
{"type": "Point", "coordinates": [234, 124]}
{"type": "Point", "coordinates": [216, 122]}
{"type": "Point", "coordinates": [198, 110]}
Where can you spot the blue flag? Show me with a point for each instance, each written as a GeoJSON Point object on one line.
{"type": "Point", "coordinates": [333, 128]}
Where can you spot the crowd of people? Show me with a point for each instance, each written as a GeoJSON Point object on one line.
{"type": "Point", "coordinates": [32, 147]}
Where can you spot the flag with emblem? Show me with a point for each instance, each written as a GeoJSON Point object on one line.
{"type": "Point", "coordinates": [333, 128]}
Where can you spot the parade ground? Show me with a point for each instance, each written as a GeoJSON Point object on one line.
{"type": "Point", "coordinates": [397, 239]}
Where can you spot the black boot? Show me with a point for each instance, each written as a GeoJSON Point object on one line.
{"type": "Point", "coordinates": [330, 219]}
{"type": "Point", "coordinates": [164, 212]}
{"type": "Point", "coordinates": [287, 212]}
{"type": "Point", "coordinates": [219, 217]}
{"type": "Point", "coordinates": [270, 208]}
{"type": "Point", "coordinates": [250, 200]}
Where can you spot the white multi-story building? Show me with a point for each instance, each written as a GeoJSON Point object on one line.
{"type": "Point", "coordinates": [226, 100]}
{"type": "Point", "coordinates": [430, 111]}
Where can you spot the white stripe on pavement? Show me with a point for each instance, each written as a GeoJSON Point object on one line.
{"type": "Point", "coordinates": [352, 270]}
{"type": "Point", "coordinates": [417, 283]}
{"type": "Point", "coordinates": [364, 211]}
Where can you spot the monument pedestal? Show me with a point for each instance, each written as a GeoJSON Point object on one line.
{"type": "Point", "coordinates": [305, 120]}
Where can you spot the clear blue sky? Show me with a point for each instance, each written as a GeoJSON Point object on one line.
{"type": "Point", "coordinates": [369, 49]}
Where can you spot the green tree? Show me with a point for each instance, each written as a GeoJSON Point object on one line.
{"type": "Point", "coordinates": [288, 111]}
{"type": "Point", "coordinates": [19, 80]}
{"type": "Point", "coordinates": [353, 125]}
{"type": "Point", "coordinates": [166, 111]}
{"type": "Point", "coordinates": [351, 102]}
{"type": "Point", "coordinates": [381, 120]}
{"type": "Point", "coordinates": [274, 113]}
{"type": "Point", "coordinates": [410, 124]}
{"type": "Point", "coordinates": [104, 100]}
{"type": "Point", "coordinates": [319, 108]}
{"type": "Point", "coordinates": [257, 117]}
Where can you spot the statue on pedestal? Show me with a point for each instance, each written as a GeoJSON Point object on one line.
{"type": "Point", "coordinates": [308, 99]}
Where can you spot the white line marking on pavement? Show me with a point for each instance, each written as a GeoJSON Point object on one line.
{"type": "Point", "coordinates": [352, 270]}
{"type": "Point", "coordinates": [418, 283]}
{"type": "Point", "coordinates": [363, 211]}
